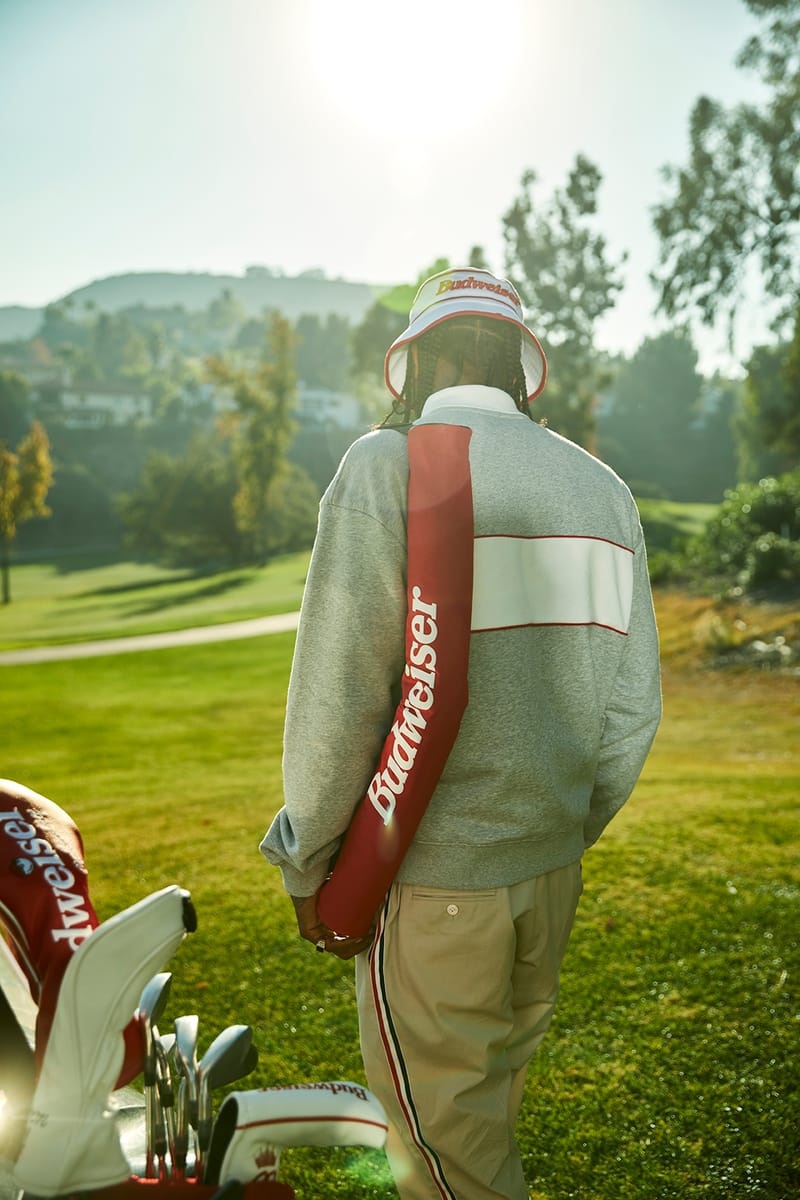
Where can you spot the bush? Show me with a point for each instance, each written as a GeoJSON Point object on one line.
{"type": "Point", "coordinates": [647, 490]}
{"type": "Point", "coordinates": [752, 538]}
{"type": "Point", "coordinates": [770, 558]}
{"type": "Point", "coordinates": [292, 517]}
{"type": "Point", "coordinates": [663, 567]}
{"type": "Point", "coordinates": [82, 515]}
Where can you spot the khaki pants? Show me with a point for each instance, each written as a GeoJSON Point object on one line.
{"type": "Point", "coordinates": [454, 997]}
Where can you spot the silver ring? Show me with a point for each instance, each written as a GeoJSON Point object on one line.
{"type": "Point", "coordinates": [321, 945]}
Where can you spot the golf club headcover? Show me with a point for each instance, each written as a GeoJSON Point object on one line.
{"type": "Point", "coordinates": [434, 685]}
{"type": "Point", "coordinates": [72, 1143]}
{"type": "Point", "coordinates": [17, 1072]}
{"type": "Point", "coordinates": [44, 903]}
{"type": "Point", "coordinates": [252, 1127]}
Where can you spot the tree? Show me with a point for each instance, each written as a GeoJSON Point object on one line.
{"type": "Point", "coordinates": [250, 337]}
{"type": "Point", "coordinates": [25, 478]}
{"type": "Point", "coordinates": [737, 200]}
{"type": "Point", "coordinates": [260, 428]}
{"type": "Point", "coordinates": [716, 450]}
{"type": "Point", "coordinates": [14, 400]}
{"type": "Point", "coordinates": [477, 258]}
{"type": "Point", "coordinates": [561, 269]}
{"type": "Point", "coordinates": [82, 513]}
{"type": "Point", "coordinates": [651, 432]}
{"type": "Point", "coordinates": [182, 511]}
{"type": "Point", "coordinates": [768, 426]}
{"type": "Point", "coordinates": [322, 354]}
{"type": "Point", "coordinates": [232, 495]}
{"type": "Point", "coordinates": [59, 327]}
{"type": "Point", "coordinates": [782, 418]}
{"type": "Point", "coordinates": [292, 514]}
{"type": "Point", "coordinates": [736, 204]}
{"type": "Point", "coordinates": [117, 348]}
{"type": "Point", "coordinates": [224, 313]}
{"type": "Point", "coordinates": [382, 323]}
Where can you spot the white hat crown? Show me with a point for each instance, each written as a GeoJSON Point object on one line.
{"type": "Point", "coordinates": [465, 291]}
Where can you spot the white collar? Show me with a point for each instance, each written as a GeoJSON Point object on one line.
{"type": "Point", "coordinates": [470, 395]}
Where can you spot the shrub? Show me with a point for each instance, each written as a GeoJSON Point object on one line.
{"type": "Point", "coordinates": [770, 557]}
{"type": "Point", "coordinates": [752, 538]}
{"type": "Point", "coordinates": [663, 567]}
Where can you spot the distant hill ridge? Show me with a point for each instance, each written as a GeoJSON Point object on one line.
{"type": "Point", "coordinates": [259, 288]}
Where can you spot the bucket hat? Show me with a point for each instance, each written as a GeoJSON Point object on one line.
{"type": "Point", "coordinates": [458, 292]}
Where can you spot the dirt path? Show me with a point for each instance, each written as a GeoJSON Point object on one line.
{"type": "Point", "coordinates": [230, 631]}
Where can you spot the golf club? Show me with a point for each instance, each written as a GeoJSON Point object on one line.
{"type": "Point", "coordinates": [181, 1132]}
{"type": "Point", "coordinates": [229, 1056]}
{"type": "Point", "coordinates": [164, 1044]}
{"type": "Point", "coordinates": [185, 1052]}
{"type": "Point", "coordinates": [152, 1003]}
{"type": "Point", "coordinates": [165, 1094]}
{"type": "Point", "coordinates": [160, 1141]}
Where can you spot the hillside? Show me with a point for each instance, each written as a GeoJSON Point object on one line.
{"type": "Point", "coordinates": [18, 323]}
{"type": "Point", "coordinates": [259, 288]}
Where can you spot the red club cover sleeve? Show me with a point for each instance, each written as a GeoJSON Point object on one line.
{"type": "Point", "coordinates": [435, 679]}
{"type": "Point", "coordinates": [44, 902]}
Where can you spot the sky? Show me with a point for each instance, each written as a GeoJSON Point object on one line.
{"type": "Point", "coordinates": [362, 137]}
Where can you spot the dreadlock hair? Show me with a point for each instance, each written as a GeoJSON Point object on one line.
{"type": "Point", "coordinates": [491, 347]}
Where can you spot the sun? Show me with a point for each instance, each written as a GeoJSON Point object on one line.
{"type": "Point", "coordinates": [424, 68]}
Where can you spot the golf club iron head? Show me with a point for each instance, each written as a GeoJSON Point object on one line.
{"type": "Point", "coordinates": [230, 1056]}
{"type": "Point", "coordinates": [185, 1051]}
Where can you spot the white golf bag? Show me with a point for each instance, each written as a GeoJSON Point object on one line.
{"type": "Point", "coordinates": [66, 1123]}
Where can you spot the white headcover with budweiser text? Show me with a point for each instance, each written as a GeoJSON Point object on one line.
{"type": "Point", "coordinates": [72, 1143]}
{"type": "Point", "coordinates": [45, 905]}
{"type": "Point", "coordinates": [253, 1126]}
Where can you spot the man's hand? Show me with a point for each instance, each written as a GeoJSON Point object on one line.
{"type": "Point", "coordinates": [313, 930]}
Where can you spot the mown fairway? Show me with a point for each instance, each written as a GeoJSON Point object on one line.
{"type": "Point", "coordinates": [671, 1069]}
{"type": "Point", "coordinates": [78, 599]}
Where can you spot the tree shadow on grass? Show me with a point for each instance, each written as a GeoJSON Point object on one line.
{"type": "Point", "coordinates": [217, 588]}
{"type": "Point", "coordinates": [117, 589]}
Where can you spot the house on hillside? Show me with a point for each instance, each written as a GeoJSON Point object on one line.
{"type": "Point", "coordinates": [95, 406]}
{"type": "Point", "coordinates": [325, 407]}
{"type": "Point", "coordinates": [314, 405]}
{"type": "Point", "coordinates": [36, 373]}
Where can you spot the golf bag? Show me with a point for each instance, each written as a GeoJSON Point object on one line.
{"type": "Point", "coordinates": [45, 906]}
{"type": "Point", "coordinates": [66, 1127]}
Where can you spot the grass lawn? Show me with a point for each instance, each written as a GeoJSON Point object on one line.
{"type": "Point", "coordinates": [665, 520]}
{"type": "Point", "coordinates": [671, 1068]}
{"type": "Point", "coordinates": [77, 599]}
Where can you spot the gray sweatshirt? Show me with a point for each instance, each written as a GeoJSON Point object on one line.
{"type": "Point", "coordinates": [564, 692]}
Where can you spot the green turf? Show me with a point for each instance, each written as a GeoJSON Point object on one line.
{"type": "Point", "coordinates": [671, 1068]}
{"type": "Point", "coordinates": [77, 599]}
{"type": "Point", "coordinates": [667, 521]}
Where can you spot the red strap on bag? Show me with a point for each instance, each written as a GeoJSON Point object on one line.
{"type": "Point", "coordinates": [435, 681]}
{"type": "Point", "coordinates": [145, 1189]}
{"type": "Point", "coordinates": [44, 903]}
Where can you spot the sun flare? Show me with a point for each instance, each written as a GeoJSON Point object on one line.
{"type": "Point", "coordinates": [424, 69]}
